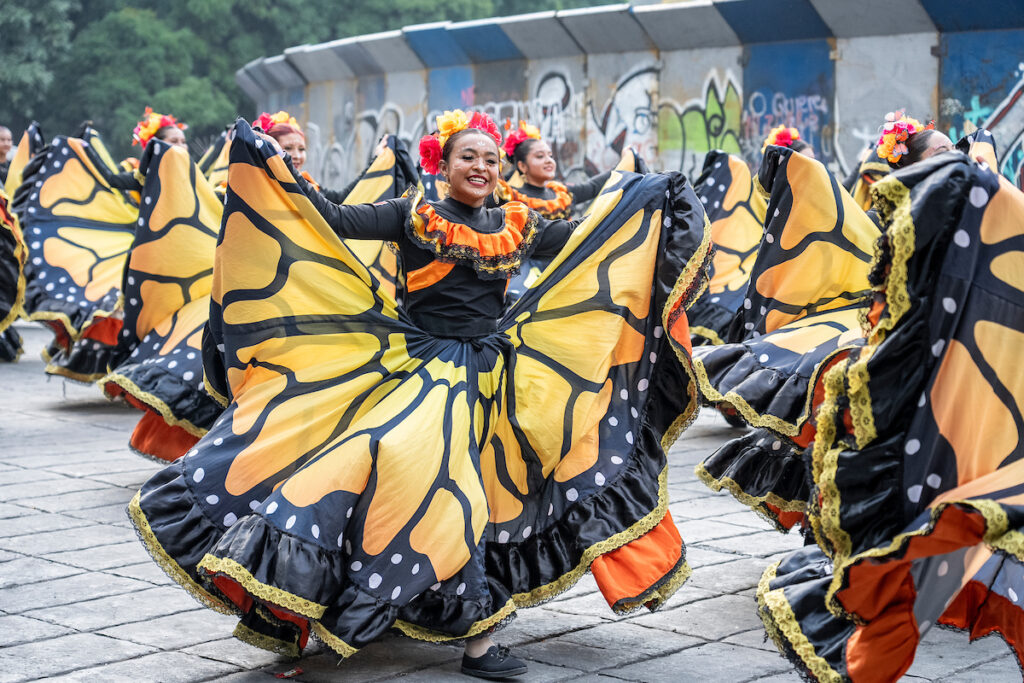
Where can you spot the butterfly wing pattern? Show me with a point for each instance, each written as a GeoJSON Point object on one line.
{"type": "Point", "coordinates": [400, 479]}
{"type": "Point", "coordinates": [918, 462]}
{"type": "Point", "coordinates": [736, 210]}
{"type": "Point", "coordinates": [79, 231]}
{"type": "Point", "coordinates": [800, 315]}
{"type": "Point", "coordinates": [157, 365]}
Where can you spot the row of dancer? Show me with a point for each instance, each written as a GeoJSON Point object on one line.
{"type": "Point", "coordinates": [803, 305]}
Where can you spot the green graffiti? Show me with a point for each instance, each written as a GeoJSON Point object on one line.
{"type": "Point", "coordinates": [710, 122]}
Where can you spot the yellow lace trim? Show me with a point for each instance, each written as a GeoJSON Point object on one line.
{"type": "Point", "coordinates": [52, 369]}
{"type": "Point", "coordinates": [755, 503]}
{"type": "Point", "coordinates": [656, 598]}
{"type": "Point", "coordinates": [996, 528]}
{"type": "Point", "coordinates": [707, 333]}
{"type": "Point", "coordinates": [892, 199]}
{"type": "Point", "coordinates": [332, 641]}
{"type": "Point", "coordinates": [860, 398]}
{"type": "Point", "coordinates": [72, 332]}
{"type": "Point", "coordinates": [422, 633]}
{"type": "Point", "coordinates": [824, 516]}
{"type": "Point", "coordinates": [217, 396]}
{"type": "Point", "coordinates": [265, 642]}
{"type": "Point", "coordinates": [167, 563]}
{"type": "Point", "coordinates": [271, 594]}
{"type": "Point", "coordinates": [783, 628]}
{"type": "Point", "coordinates": [693, 267]}
{"type": "Point", "coordinates": [567, 580]}
{"type": "Point", "coordinates": [153, 402]}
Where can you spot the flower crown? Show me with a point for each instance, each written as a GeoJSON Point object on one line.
{"type": "Point", "coordinates": [448, 124]}
{"type": "Point", "coordinates": [521, 134]}
{"type": "Point", "coordinates": [267, 121]}
{"type": "Point", "coordinates": [781, 136]}
{"type": "Point", "coordinates": [892, 144]}
{"type": "Point", "coordinates": [152, 122]}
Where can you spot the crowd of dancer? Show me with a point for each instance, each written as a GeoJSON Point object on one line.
{"type": "Point", "coordinates": [446, 391]}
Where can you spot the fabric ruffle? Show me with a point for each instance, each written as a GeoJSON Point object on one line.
{"type": "Point", "coordinates": [559, 207]}
{"type": "Point", "coordinates": [919, 505]}
{"type": "Point", "coordinates": [302, 508]}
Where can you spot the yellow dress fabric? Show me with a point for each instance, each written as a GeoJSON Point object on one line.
{"type": "Point", "coordinates": [367, 474]}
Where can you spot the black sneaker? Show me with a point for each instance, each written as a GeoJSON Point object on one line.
{"type": "Point", "coordinates": [495, 664]}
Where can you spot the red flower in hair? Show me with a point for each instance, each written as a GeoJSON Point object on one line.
{"type": "Point", "coordinates": [483, 122]}
{"type": "Point", "coordinates": [514, 139]}
{"type": "Point", "coordinates": [784, 139]}
{"type": "Point", "coordinates": [430, 154]}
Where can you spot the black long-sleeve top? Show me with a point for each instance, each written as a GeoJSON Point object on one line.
{"type": "Point", "coordinates": [462, 303]}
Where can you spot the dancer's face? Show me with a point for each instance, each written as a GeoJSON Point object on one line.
{"type": "Point", "coordinates": [539, 166]}
{"type": "Point", "coordinates": [937, 143]}
{"type": "Point", "coordinates": [295, 145]}
{"type": "Point", "coordinates": [471, 168]}
{"type": "Point", "coordinates": [172, 135]}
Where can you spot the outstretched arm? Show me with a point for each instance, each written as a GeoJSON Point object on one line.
{"type": "Point", "coordinates": [381, 221]}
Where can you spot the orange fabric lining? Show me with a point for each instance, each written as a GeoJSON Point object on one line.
{"type": "Point", "coordinates": [548, 207]}
{"type": "Point", "coordinates": [631, 570]}
{"type": "Point", "coordinates": [309, 179]}
{"type": "Point", "coordinates": [104, 330]}
{"type": "Point", "coordinates": [787, 519]}
{"type": "Point", "coordinates": [983, 612]}
{"type": "Point", "coordinates": [447, 233]}
{"type": "Point", "coordinates": [152, 435]}
{"type": "Point", "coordinates": [428, 275]}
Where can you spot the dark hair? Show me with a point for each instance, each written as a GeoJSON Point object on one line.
{"type": "Point", "coordinates": [449, 144]}
{"type": "Point", "coordinates": [800, 146]}
{"type": "Point", "coordinates": [523, 151]}
{"type": "Point", "coordinates": [162, 131]}
{"type": "Point", "coordinates": [917, 145]}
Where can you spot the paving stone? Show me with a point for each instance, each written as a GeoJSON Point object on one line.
{"type": "Point", "coordinates": [118, 461]}
{"type": "Point", "coordinates": [37, 523]}
{"type": "Point", "coordinates": [755, 638]}
{"type": "Point", "coordinates": [104, 556]}
{"type": "Point", "coordinates": [176, 631]}
{"type": "Point", "coordinates": [132, 479]}
{"type": "Point", "coordinates": [714, 661]}
{"type": "Point", "coordinates": [712, 619]}
{"type": "Point", "coordinates": [8, 511]}
{"type": "Point", "coordinates": [115, 610]}
{"type": "Point", "coordinates": [65, 539]}
{"type": "Point", "coordinates": [942, 652]}
{"type": "Point", "coordinates": [167, 667]}
{"type": "Point", "coordinates": [66, 653]}
{"type": "Point", "coordinates": [763, 543]}
{"type": "Point", "coordinates": [709, 506]}
{"type": "Point", "coordinates": [16, 629]}
{"type": "Point", "coordinates": [113, 513]}
{"type": "Point", "coordinates": [84, 500]}
{"type": "Point", "coordinates": [234, 651]}
{"type": "Point", "coordinates": [704, 530]}
{"type": "Point", "coordinates": [543, 622]}
{"type": "Point", "coordinates": [748, 518]}
{"type": "Point", "coordinates": [605, 646]}
{"type": "Point", "coordinates": [23, 476]}
{"type": "Point", "coordinates": [1003, 669]}
{"type": "Point", "coordinates": [730, 577]}
{"type": "Point", "coordinates": [66, 590]}
{"type": "Point", "coordinates": [538, 671]}
{"type": "Point", "coordinates": [389, 657]}
{"type": "Point", "coordinates": [26, 570]}
{"type": "Point", "coordinates": [144, 571]}
{"type": "Point", "coordinates": [6, 556]}
{"type": "Point", "coordinates": [698, 556]}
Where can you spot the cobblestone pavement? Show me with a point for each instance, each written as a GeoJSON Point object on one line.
{"type": "Point", "coordinates": [81, 601]}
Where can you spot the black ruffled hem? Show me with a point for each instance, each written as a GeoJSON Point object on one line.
{"type": "Point", "coordinates": [87, 361]}
{"type": "Point", "coordinates": [709, 321]}
{"type": "Point", "coordinates": [177, 400]}
{"type": "Point", "coordinates": [760, 469]}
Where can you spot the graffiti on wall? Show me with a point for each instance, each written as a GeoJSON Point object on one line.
{"type": "Point", "coordinates": [712, 121]}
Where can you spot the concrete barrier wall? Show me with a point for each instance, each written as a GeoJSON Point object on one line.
{"type": "Point", "coordinates": [674, 79]}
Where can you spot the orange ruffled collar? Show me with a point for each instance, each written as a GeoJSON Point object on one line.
{"type": "Point", "coordinates": [549, 208]}
{"type": "Point", "coordinates": [493, 255]}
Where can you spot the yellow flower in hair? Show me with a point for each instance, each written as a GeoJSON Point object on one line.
{"type": "Point", "coordinates": [450, 123]}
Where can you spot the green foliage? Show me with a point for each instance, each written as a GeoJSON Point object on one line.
{"type": "Point", "coordinates": [64, 61]}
